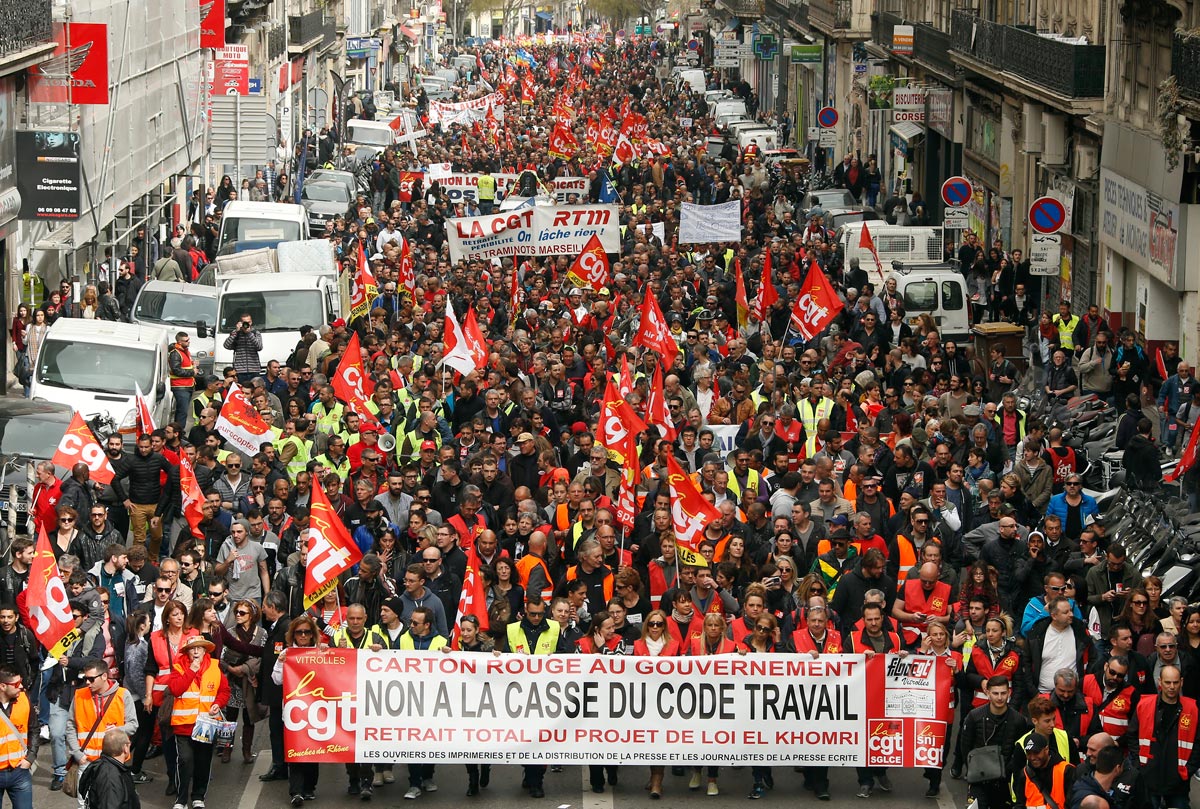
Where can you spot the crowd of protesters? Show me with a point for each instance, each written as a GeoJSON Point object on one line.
{"type": "Point", "coordinates": [884, 493]}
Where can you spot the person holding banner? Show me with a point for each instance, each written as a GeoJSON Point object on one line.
{"type": "Point", "coordinates": [302, 633]}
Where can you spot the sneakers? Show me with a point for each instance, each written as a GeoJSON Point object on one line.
{"type": "Point", "coordinates": [142, 778]}
{"type": "Point", "coordinates": [179, 806]}
{"type": "Point", "coordinates": [694, 784]}
{"type": "Point", "coordinates": [823, 794]}
{"type": "Point", "coordinates": [864, 791]}
{"type": "Point", "coordinates": [713, 791]}
{"type": "Point", "coordinates": [197, 804]}
{"type": "Point", "coordinates": [428, 786]}
{"type": "Point", "coordinates": [388, 778]}
{"type": "Point", "coordinates": [377, 781]}
{"type": "Point", "coordinates": [44, 733]}
{"type": "Point", "coordinates": [757, 793]}
{"type": "Point", "coordinates": [365, 795]}
{"type": "Point", "coordinates": [296, 800]}
{"type": "Point", "coordinates": [412, 794]}
{"type": "Point", "coordinates": [56, 783]}
{"type": "Point", "coordinates": [884, 783]}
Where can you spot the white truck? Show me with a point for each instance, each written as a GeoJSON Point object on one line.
{"type": "Point", "coordinates": [282, 289]}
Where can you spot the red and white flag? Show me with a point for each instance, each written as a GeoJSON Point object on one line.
{"type": "Point", "coordinates": [476, 344]}
{"type": "Point", "coordinates": [46, 600]}
{"type": "Point", "coordinates": [143, 418]}
{"type": "Point", "coordinates": [242, 425]}
{"type": "Point", "coordinates": [591, 267]}
{"type": "Point", "coordinates": [456, 351]}
{"type": "Point", "coordinates": [1188, 459]}
{"type": "Point", "coordinates": [363, 287]}
{"type": "Point", "coordinates": [79, 445]}
{"type": "Point", "coordinates": [653, 332]}
{"type": "Point", "coordinates": [690, 512]}
{"type": "Point", "coordinates": [331, 551]}
{"type": "Point", "coordinates": [405, 275]}
{"type": "Point", "coordinates": [866, 242]}
{"type": "Point", "coordinates": [1161, 364]}
{"type": "Point", "coordinates": [817, 305]}
{"type": "Point", "coordinates": [192, 497]}
{"type": "Point", "coordinates": [657, 412]}
{"type": "Point", "coordinates": [562, 142]}
{"type": "Point", "coordinates": [351, 383]}
{"type": "Point", "coordinates": [473, 599]}
{"type": "Point", "coordinates": [767, 294]}
{"type": "Point", "coordinates": [739, 295]}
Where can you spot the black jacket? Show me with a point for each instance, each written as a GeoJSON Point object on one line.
{"type": "Point", "coordinates": [143, 474]}
{"type": "Point", "coordinates": [1141, 462]}
{"type": "Point", "coordinates": [1085, 652]}
{"type": "Point", "coordinates": [89, 545]}
{"type": "Point", "coordinates": [852, 588]}
{"type": "Point", "coordinates": [108, 784]}
{"type": "Point", "coordinates": [981, 729]}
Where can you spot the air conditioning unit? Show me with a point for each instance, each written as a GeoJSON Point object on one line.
{"type": "Point", "coordinates": [1031, 135]}
{"type": "Point", "coordinates": [1087, 161]}
{"type": "Point", "coordinates": [1054, 142]}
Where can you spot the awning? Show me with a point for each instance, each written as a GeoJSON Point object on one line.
{"type": "Point", "coordinates": [410, 33]}
{"type": "Point", "coordinates": [545, 15]}
{"type": "Point", "coordinates": [907, 130]}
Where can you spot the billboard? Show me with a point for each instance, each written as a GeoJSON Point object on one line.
{"type": "Point", "coordinates": [49, 175]}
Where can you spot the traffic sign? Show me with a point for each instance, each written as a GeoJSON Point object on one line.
{"type": "Point", "coordinates": [827, 117]}
{"type": "Point", "coordinates": [956, 218]}
{"type": "Point", "coordinates": [1047, 215]}
{"type": "Point", "coordinates": [725, 61]}
{"type": "Point", "coordinates": [957, 191]}
{"type": "Point", "coordinates": [1045, 253]}
{"type": "Point", "coordinates": [693, 45]}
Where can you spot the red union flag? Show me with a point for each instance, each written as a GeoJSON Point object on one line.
{"type": "Point", "coordinates": [767, 294]}
{"type": "Point", "coordinates": [739, 295]}
{"type": "Point", "coordinates": [817, 305]}
{"type": "Point", "coordinates": [653, 332]}
{"type": "Point", "coordinates": [408, 179]}
{"type": "Point", "coordinates": [46, 597]}
{"type": "Point", "coordinates": [405, 275]}
{"type": "Point", "coordinates": [690, 512]}
{"type": "Point", "coordinates": [351, 383]}
{"type": "Point", "coordinates": [242, 425]}
{"type": "Point", "coordinates": [78, 445]}
{"type": "Point", "coordinates": [212, 23]}
{"type": "Point", "coordinates": [143, 418]}
{"type": "Point", "coordinates": [192, 496]}
{"type": "Point", "coordinates": [476, 344]}
{"type": "Point", "coordinates": [590, 268]}
{"type": "Point", "coordinates": [331, 551]}
{"type": "Point", "coordinates": [473, 598]}
{"type": "Point", "coordinates": [619, 427]}
{"type": "Point", "coordinates": [77, 71]}
{"type": "Point", "coordinates": [657, 412]}
{"type": "Point", "coordinates": [1187, 460]}
{"type": "Point", "coordinates": [562, 142]}
{"type": "Point", "coordinates": [363, 287]}
{"type": "Point", "coordinates": [456, 346]}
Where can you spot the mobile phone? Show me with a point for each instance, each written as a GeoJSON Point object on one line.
{"type": "Point", "coordinates": [773, 581]}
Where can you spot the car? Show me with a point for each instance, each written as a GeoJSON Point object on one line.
{"type": "Point", "coordinates": [836, 217]}
{"type": "Point", "coordinates": [345, 178]}
{"type": "Point", "coordinates": [827, 198]}
{"type": "Point", "coordinates": [29, 432]}
{"type": "Point", "coordinates": [324, 201]}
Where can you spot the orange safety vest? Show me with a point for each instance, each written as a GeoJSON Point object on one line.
{"type": "Point", "coordinates": [165, 657]}
{"type": "Point", "coordinates": [85, 719]}
{"type": "Point", "coordinates": [1185, 731]}
{"type": "Point", "coordinates": [13, 746]}
{"type": "Point", "coordinates": [562, 517]}
{"type": "Point", "coordinates": [858, 643]}
{"type": "Point", "coordinates": [524, 567]}
{"type": "Point", "coordinates": [908, 557]}
{"type": "Point", "coordinates": [1113, 714]}
{"type": "Point", "coordinates": [199, 698]}
{"type": "Point", "coordinates": [1085, 719]}
{"type": "Point", "coordinates": [186, 364]}
{"type": "Point", "coordinates": [917, 600]}
{"type": "Point", "coordinates": [572, 574]}
{"type": "Point", "coordinates": [803, 642]}
{"type": "Point", "coordinates": [1033, 795]}
{"type": "Point", "coordinates": [659, 584]}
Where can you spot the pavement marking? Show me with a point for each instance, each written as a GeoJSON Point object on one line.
{"type": "Point", "coordinates": [254, 787]}
{"type": "Point", "coordinates": [945, 800]}
{"type": "Point", "coordinates": [593, 800]}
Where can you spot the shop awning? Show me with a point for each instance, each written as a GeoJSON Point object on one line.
{"type": "Point", "coordinates": [410, 33]}
{"type": "Point", "coordinates": [545, 15]}
{"type": "Point", "coordinates": [907, 130]}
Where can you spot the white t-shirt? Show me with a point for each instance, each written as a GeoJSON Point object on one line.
{"type": "Point", "coordinates": [1058, 652]}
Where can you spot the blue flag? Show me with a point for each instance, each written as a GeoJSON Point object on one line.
{"type": "Point", "coordinates": [608, 191]}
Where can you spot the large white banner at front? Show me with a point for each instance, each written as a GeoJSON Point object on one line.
{"type": "Point", "coordinates": [551, 230]}
{"type": "Point", "coordinates": [466, 113]}
{"type": "Point", "coordinates": [710, 223]}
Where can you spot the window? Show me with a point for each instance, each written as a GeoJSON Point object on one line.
{"type": "Point", "coordinates": [952, 296]}
{"type": "Point", "coordinates": [921, 296]}
{"type": "Point", "coordinates": [893, 244]}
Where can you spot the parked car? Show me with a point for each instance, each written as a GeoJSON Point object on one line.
{"type": "Point", "coordinates": [29, 432]}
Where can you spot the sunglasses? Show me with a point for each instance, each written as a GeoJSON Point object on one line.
{"type": "Point", "coordinates": [655, 624]}
{"type": "Point", "coordinates": [303, 632]}
{"type": "Point", "coordinates": [66, 519]}
{"type": "Point", "coordinates": [762, 629]}
{"type": "Point", "coordinates": [93, 678]}
{"type": "Point", "coordinates": [162, 589]}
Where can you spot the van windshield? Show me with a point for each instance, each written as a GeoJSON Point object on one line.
{"type": "Point", "coordinates": [272, 310]}
{"type": "Point", "coordinates": [265, 230]}
{"type": "Point", "coordinates": [87, 366]}
{"type": "Point", "coordinates": [371, 136]}
{"type": "Point", "coordinates": [175, 308]}
{"type": "Point", "coordinates": [920, 296]}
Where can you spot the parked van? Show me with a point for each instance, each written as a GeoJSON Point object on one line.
{"type": "Point", "coordinates": [937, 290]}
{"type": "Point", "coordinates": [764, 136]}
{"type": "Point", "coordinates": [728, 109]}
{"type": "Point", "coordinates": [690, 79]}
{"type": "Point", "coordinates": [263, 222]}
{"type": "Point", "coordinates": [96, 367]}
{"type": "Point", "coordinates": [911, 245]}
{"type": "Point", "coordinates": [176, 307]}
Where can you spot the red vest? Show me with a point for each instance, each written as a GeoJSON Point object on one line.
{"type": "Point", "coordinates": [1009, 665]}
{"type": "Point", "coordinates": [1085, 721]}
{"type": "Point", "coordinates": [467, 535]}
{"type": "Point", "coordinates": [803, 642]}
{"type": "Point", "coordinates": [640, 649]}
{"type": "Point", "coordinates": [694, 630]}
{"type": "Point", "coordinates": [659, 584]}
{"type": "Point", "coordinates": [696, 646]}
{"type": "Point", "coordinates": [1061, 465]}
{"type": "Point", "coordinates": [1185, 731]}
{"type": "Point", "coordinates": [917, 600]}
{"type": "Point", "coordinates": [1114, 714]}
{"type": "Point", "coordinates": [859, 644]}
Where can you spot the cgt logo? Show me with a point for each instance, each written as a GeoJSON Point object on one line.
{"type": "Point", "coordinates": [927, 748]}
{"type": "Point", "coordinates": [885, 743]}
{"type": "Point", "coordinates": [910, 669]}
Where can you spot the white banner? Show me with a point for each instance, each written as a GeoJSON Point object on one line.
{"type": "Point", "coordinates": [448, 113]}
{"type": "Point", "coordinates": [536, 231]}
{"type": "Point", "coordinates": [565, 187]}
{"type": "Point", "coordinates": [700, 224]}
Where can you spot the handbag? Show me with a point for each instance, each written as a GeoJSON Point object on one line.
{"type": "Point", "coordinates": [71, 782]}
{"type": "Point", "coordinates": [24, 370]}
{"type": "Point", "coordinates": [985, 764]}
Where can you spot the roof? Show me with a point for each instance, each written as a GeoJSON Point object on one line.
{"type": "Point", "coordinates": [105, 331]}
{"type": "Point", "coordinates": [199, 290]}
{"type": "Point", "coordinates": [265, 210]}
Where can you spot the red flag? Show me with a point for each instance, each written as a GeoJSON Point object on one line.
{"type": "Point", "coordinates": [817, 305]}
{"type": "Point", "coordinates": [193, 496]}
{"type": "Point", "coordinates": [46, 597]}
{"type": "Point", "coordinates": [1187, 460]}
{"type": "Point", "coordinates": [473, 599]}
{"type": "Point", "coordinates": [865, 241]}
{"type": "Point", "coordinates": [405, 275]}
{"type": "Point", "coordinates": [475, 342]}
{"type": "Point", "coordinates": [514, 294]}
{"type": "Point", "coordinates": [79, 445]}
{"type": "Point", "coordinates": [331, 551]}
{"type": "Point", "coordinates": [591, 267]}
{"type": "Point", "coordinates": [767, 294]}
{"type": "Point", "coordinates": [143, 418]}
{"type": "Point", "coordinates": [350, 381]}
{"type": "Point", "coordinates": [739, 295]}
{"type": "Point", "coordinates": [562, 142]}
{"type": "Point", "coordinates": [619, 427]}
{"type": "Point", "coordinates": [657, 412]}
{"type": "Point", "coordinates": [1162, 365]}
{"type": "Point", "coordinates": [653, 332]}
{"type": "Point", "coordinates": [690, 512]}
{"type": "Point", "coordinates": [363, 287]}
{"type": "Point", "coordinates": [456, 348]}
{"type": "Point", "coordinates": [624, 151]}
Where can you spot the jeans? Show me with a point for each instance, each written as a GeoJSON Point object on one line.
{"type": "Point", "coordinates": [18, 784]}
{"type": "Point", "coordinates": [302, 779]}
{"type": "Point", "coordinates": [1180, 801]}
{"type": "Point", "coordinates": [867, 775]}
{"type": "Point", "coordinates": [195, 767]}
{"type": "Point", "coordinates": [58, 738]}
{"type": "Point", "coordinates": [419, 774]}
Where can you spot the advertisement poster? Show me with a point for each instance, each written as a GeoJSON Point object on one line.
{"type": "Point", "coordinates": [77, 71]}
{"type": "Point", "coordinates": [49, 175]}
{"type": "Point", "coordinates": [343, 705]}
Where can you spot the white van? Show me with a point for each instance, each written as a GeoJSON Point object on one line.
{"type": "Point", "coordinates": [764, 136]}
{"type": "Point", "coordinates": [937, 290]}
{"type": "Point", "coordinates": [693, 78]}
{"type": "Point", "coordinates": [728, 109]}
{"type": "Point", "coordinates": [177, 307]}
{"type": "Point", "coordinates": [265, 223]}
{"type": "Point", "coordinates": [95, 366]}
{"type": "Point", "coordinates": [911, 245]}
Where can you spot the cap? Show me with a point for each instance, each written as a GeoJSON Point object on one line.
{"type": "Point", "coordinates": [972, 410]}
{"type": "Point", "coordinates": [375, 505]}
{"type": "Point", "coordinates": [576, 291]}
{"type": "Point", "coordinates": [705, 314]}
{"type": "Point", "coordinates": [1094, 519]}
{"type": "Point", "coordinates": [340, 323]}
{"type": "Point", "coordinates": [368, 428]}
{"type": "Point", "coordinates": [840, 521]}
{"type": "Point", "coordinates": [523, 437]}
{"type": "Point", "coordinates": [394, 604]}
{"type": "Point", "coordinates": [428, 445]}
{"type": "Point", "coordinates": [1036, 743]}
{"type": "Point", "coordinates": [839, 534]}
{"type": "Point", "coordinates": [579, 427]}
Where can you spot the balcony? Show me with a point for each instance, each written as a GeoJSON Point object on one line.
{"type": "Point", "coordinates": [26, 26]}
{"type": "Point", "coordinates": [835, 17]}
{"type": "Point", "coordinates": [276, 43]}
{"type": "Point", "coordinates": [1185, 65]}
{"type": "Point", "coordinates": [1064, 69]}
{"type": "Point", "coordinates": [883, 27]}
{"type": "Point", "coordinates": [310, 30]}
{"type": "Point", "coordinates": [744, 9]}
{"type": "Point", "coordinates": [932, 47]}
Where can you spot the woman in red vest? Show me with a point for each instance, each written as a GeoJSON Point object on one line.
{"type": "Point", "coordinates": [754, 604]}
{"type": "Point", "coordinates": [656, 642]}
{"type": "Point", "coordinates": [165, 645]}
{"type": "Point", "coordinates": [685, 624]}
{"type": "Point", "coordinates": [711, 641]}
{"type": "Point", "coordinates": [937, 644]}
{"type": "Point", "coordinates": [996, 655]}
{"type": "Point", "coordinates": [602, 638]}
{"type": "Point", "coordinates": [763, 640]}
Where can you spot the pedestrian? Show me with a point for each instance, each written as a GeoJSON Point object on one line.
{"type": "Point", "coordinates": [302, 633]}
{"type": "Point", "coordinates": [108, 783]}
{"type": "Point", "coordinates": [200, 692]}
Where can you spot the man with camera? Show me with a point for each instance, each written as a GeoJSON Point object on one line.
{"type": "Point", "coordinates": [245, 343]}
